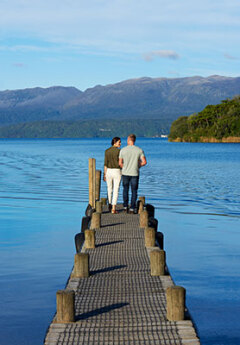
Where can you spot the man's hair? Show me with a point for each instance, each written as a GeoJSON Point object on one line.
{"type": "Point", "coordinates": [132, 137]}
{"type": "Point", "coordinates": [114, 140]}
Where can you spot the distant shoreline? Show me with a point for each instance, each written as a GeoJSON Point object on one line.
{"type": "Point", "coordinates": [207, 140]}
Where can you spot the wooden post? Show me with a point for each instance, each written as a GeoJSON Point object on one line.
{"type": "Point", "coordinates": [149, 234]}
{"type": "Point", "coordinates": [95, 221]}
{"type": "Point", "coordinates": [104, 201]}
{"type": "Point", "coordinates": [81, 265]}
{"type": "Point", "coordinates": [157, 262]}
{"type": "Point", "coordinates": [143, 221]}
{"type": "Point", "coordinates": [89, 239]}
{"type": "Point", "coordinates": [94, 182]}
{"type": "Point", "coordinates": [160, 239]}
{"type": "Point", "coordinates": [175, 303]}
{"type": "Point", "coordinates": [140, 209]}
{"type": "Point", "coordinates": [143, 199]}
{"type": "Point", "coordinates": [98, 184]}
{"type": "Point", "coordinates": [99, 206]}
{"type": "Point", "coordinates": [91, 180]}
{"type": "Point", "coordinates": [65, 306]}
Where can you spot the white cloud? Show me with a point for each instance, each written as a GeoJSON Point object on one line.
{"type": "Point", "coordinates": [121, 25]}
{"type": "Point", "coordinates": [23, 48]}
{"type": "Point", "coordinates": [230, 57]}
{"type": "Point", "coordinates": [19, 64]}
{"type": "Point", "coordinates": [166, 54]}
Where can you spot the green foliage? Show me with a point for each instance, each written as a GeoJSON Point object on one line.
{"type": "Point", "coordinates": [85, 129]}
{"type": "Point", "coordinates": [215, 121]}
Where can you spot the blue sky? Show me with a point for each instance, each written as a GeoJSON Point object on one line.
{"type": "Point", "coordinates": [85, 43]}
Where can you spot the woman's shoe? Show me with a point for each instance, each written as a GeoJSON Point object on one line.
{"type": "Point", "coordinates": [114, 211]}
{"type": "Point", "coordinates": [109, 207]}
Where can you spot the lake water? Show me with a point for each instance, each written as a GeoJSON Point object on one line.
{"type": "Point", "coordinates": [43, 195]}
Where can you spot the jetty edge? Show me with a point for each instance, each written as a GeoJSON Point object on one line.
{"type": "Point", "coordinates": [120, 290]}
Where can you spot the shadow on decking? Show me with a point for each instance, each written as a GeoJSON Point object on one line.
{"type": "Point", "coordinates": [113, 224]}
{"type": "Point", "coordinates": [108, 243]}
{"type": "Point", "coordinates": [100, 311]}
{"type": "Point", "coordinates": [108, 269]}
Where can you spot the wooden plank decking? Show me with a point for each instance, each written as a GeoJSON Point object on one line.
{"type": "Point", "coordinates": [120, 303]}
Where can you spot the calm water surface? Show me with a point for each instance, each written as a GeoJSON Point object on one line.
{"type": "Point", "coordinates": [43, 196]}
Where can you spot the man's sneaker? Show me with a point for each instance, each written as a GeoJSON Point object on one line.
{"type": "Point", "coordinates": [125, 209]}
{"type": "Point", "coordinates": [131, 211]}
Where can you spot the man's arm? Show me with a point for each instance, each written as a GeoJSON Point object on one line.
{"type": "Point", "coordinates": [142, 161]}
{"type": "Point", "coordinates": [120, 162]}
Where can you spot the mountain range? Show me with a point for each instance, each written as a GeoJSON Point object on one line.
{"type": "Point", "coordinates": [161, 99]}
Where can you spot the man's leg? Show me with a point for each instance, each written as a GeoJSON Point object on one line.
{"type": "Point", "coordinates": [134, 188]}
{"type": "Point", "coordinates": [125, 181]}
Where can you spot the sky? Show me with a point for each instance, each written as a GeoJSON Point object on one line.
{"type": "Point", "coordinates": [84, 43]}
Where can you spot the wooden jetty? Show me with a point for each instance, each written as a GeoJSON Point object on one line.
{"type": "Point", "coordinates": [120, 291]}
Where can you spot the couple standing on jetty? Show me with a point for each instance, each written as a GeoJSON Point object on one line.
{"type": "Point", "coordinates": [123, 163]}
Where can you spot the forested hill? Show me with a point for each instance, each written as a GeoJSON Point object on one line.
{"type": "Point", "coordinates": [216, 123]}
{"type": "Point", "coordinates": [150, 103]}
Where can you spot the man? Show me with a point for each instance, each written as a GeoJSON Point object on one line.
{"type": "Point", "coordinates": [131, 158]}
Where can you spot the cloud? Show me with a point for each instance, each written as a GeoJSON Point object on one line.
{"type": "Point", "coordinates": [230, 57]}
{"type": "Point", "coordinates": [19, 64]}
{"type": "Point", "coordinates": [121, 25]}
{"type": "Point", "coordinates": [164, 54]}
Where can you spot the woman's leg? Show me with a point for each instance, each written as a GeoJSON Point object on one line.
{"type": "Point", "coordinates": [116, 184]}
{"type": "Point", "coordinates": [109, 180]}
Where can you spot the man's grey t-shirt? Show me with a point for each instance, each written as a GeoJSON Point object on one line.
{"type": "Point", "coordinates": [131, 155]}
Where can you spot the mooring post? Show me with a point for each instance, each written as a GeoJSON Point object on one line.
{"type": "Point", "coordinates": [143, 199]}
{"type": "Point", "coordinates": [157, 262]}
{"type": "Point", "coordinates": [104, 201]}
{"type": "Point", "coordinates": [95, 221]}
{"type": "Point", "coordinates": [99, 206]}
{"type": "Point", "coordinates": [98, 184]}
{"type": "Point", "coordinates": [150, 237]}
{"type": "Point", "coordinates": [81, 265]}
{"type": "Point", "coordinates": [140, 206]}
{"type": "Point", "coordinates": [143, 221]}
{"type": "Point", "coordinates": [65, 306]}
{"type": "Point", "coordinates": [160, 239]}
{"type": "Point", "coordinates": [175, 303]}
{"type": "Point", "coordinates": [89, 239]}
{"type": "Point", "coordinates": [92, 180]}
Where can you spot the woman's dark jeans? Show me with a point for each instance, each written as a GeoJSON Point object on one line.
{"type": "Point", "coordinates": [133, 182]}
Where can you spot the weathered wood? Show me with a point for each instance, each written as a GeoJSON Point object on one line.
{"type": "Point", "coordinates": [140, 206]}
{"type": "Point", "coordinates": [94, 183]}
{"type": "Point", "coordinates": [160, 239]}
{"type": "Point", "coordinates": [143, 222]}
{"type": "Point", "coordinates": [92, 180]}
{"type": "Point", "coordinates": [81, 265]}
{"type": "Point", "coordinates": [143, 199]}
{"type": "Point", "coordinates": [121, 303]}
{"type": "Point", "coordinates": [95, 221]}
{"type": "Point", "coordinates": [89, 239]}
{"type": "Point", "coordinates": [150, 209]}
{"type": "Point", "coordinates": [98, 184]}
{"type": "Point", "coordinates": [150, 240]}
{"type": "Point", "coordinates": [157, 262]}
{"type": "Point", "coordinates": [104, 201]}
{"type": "Point", "coordinates": [153, 223]}
{"type": "Point", "coordinates": [85, 223]}
{"type": "Point", "coordinates": [175, 303]}
{"type": "Point", "coordinates": [99, 206]}
{"type": "Point", "coordinates": [65, 306]}
{"type": "Point", "coordinates": [79, 240]}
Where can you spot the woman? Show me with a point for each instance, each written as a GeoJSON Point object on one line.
{"type": "Point", "coordinates": [112, 173]}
